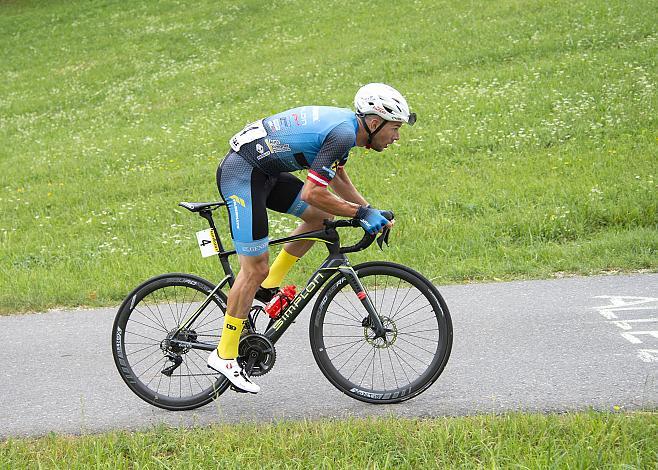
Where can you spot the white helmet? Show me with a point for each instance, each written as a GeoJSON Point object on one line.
{"type": "Point", "coordinates": [384, 101]}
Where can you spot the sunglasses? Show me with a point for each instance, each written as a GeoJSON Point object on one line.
{"type": "Point", "coordinates": [412, 119]}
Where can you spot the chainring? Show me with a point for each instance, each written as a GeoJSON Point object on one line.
{"type": "Point", "coordinates": [264, 350]}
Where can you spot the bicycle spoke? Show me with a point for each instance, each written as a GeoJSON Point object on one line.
{"type": "Point", "coordinates": [368, 367]}
{"type": "Point", "coordinates": [416, 346]}
{"type": "Point", "coordinates": [203, 323]}
{"type": "Point", "coordinates": [434, 330]}
{"type": "Point", "coordinates": [147, 326]}
{"type": "Point", "coordinates": [135, 364]}
{"type": "Point", "coordinates": [395, 297]}
{"type": "Point", "coordinates": [164, 363]}
{"type": "Point", "coordinates": [404, 370]}
{"type": "Point", "coordinates": [417, 323]}
{"type": "Point", "coordinates": [343, 336]}
{"type": "Point", "coordinates": [342, 344]}
{"type": "Point", "coordinates": [172, 311]}
{"type": "Point", "coordinates": [394, 317]}
{"type": "Point", "coordinates": [156, 321]}
{"type": "Point", "coordinates": [347, 311]}
{"type": "Point", "coordinates": [157, 308]}
{"type": "Point", "coordinates": [381, 366]}
{"type": "Point", "coordinates": [415, 358]}
{"type": "Point", "coordinates": [397, 385]}
{"type": "Point", "coordinates": [155, 341]}
{"type": "Point", "coordinates": [176, 315]}
{"type": "Point", "coordinates": [349, 301]}
{"type": "Point", "coordinates": [357, 367]}
{"type": "Point", "coordinates": [346, 318]}
{"type": "Point", "coordinates": [190, 378]}
{"type": "Point", "coordinates": [185, 314]}
{"type": "Point", "coordinates": [417, 336]}
{"type": "Point", "coordinates": [142, 349]}
{"type": "Point", "coordinates": [346, 349]}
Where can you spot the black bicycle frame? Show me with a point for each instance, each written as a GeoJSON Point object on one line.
{"type": "Point", "coordinates": [336, 262]}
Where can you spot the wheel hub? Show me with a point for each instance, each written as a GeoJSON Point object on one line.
{"type": "Point", "coordinates": [170, 345]}
{"type": "Point", "coordinates": [389, 338]}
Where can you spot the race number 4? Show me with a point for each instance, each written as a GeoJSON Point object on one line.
{"type": "Point", "coordinates": [207, 242]}
{"type": "Point", "coordinates": [251, 132]}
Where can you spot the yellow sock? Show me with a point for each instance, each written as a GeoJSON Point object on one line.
{"type": "Point", "coordinates": [279, 269]}
{"type": "Point", "coordinates": [228, 344]}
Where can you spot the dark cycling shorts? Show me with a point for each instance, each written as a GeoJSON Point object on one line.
{"type": "Point", "coordinates": [247, 192]}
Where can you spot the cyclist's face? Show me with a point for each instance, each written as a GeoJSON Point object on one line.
{"type": "Point", "coordinates": [386, 136]}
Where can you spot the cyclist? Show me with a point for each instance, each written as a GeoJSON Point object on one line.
{"type": "Point", "coordinates": [255, 175]}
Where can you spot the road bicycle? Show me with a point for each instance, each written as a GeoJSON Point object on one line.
{"type": "Point", "coordinates": [380, 332]}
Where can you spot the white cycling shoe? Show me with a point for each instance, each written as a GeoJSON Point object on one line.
{"type": "Point", "coordinates": [230, 369]}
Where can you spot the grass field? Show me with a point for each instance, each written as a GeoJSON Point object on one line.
{"type": "Point", "coordinates": [535, 150]}
{"type": "Point", "coordinates": [578, 440]}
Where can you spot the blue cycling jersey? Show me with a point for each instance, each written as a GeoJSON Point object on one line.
{"type": "Point", "coordinates": [313, 137]}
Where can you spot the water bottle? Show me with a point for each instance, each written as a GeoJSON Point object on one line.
{"type": "Point", "coordinates": [280, 301]}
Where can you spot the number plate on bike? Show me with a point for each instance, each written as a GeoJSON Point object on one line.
{"type": "Point", "coordinates": [207, 242]}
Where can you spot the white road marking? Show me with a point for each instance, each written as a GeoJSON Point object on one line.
{"type": "Point", "coordinates": [621, 305]}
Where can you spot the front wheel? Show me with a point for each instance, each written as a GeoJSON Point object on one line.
{"type": "Point", "coordinates": [411, 355]}
{"type": "Point", "coordinates": [146, 348]}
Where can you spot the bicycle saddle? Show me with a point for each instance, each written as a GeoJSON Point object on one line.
{"type": "Point", "coordinates": [199, 206]}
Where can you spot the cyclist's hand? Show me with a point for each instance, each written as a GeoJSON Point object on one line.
{"type": "Point", "coordinates": [371, 219]}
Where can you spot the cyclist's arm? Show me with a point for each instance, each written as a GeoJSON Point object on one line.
{"type": "Point", "coordinates": [320, 197]}
{"type": "Point", "coordinates": [337, 144]}
{"type": "Point", "coordinates": [343, 187]}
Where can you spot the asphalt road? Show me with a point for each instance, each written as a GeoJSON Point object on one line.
{"type": "Point", "coordinates": [556, 345]}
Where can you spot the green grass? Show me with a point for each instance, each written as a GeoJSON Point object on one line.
{"type": "Point", "coordinates": [578, 440]}
{"type": "Point", "coordinates": [535, 152]}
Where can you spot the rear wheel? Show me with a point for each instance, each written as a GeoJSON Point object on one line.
{"type": "Point", "coordinates": [413, 352]}
{"type": "Point", "coordinates": [159, 370]}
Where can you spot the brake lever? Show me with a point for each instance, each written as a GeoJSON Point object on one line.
{"type": "Point", "coordinates": [383, 238]}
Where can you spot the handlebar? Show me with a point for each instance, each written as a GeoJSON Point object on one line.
{"type": "Point", "coordinates": [367, 239]}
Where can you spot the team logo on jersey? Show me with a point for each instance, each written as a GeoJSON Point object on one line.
{"type": "Point", "coordinates": [275, 125]}
{"type": "Point", "coordinates": [237, 200]}
{"type": "Point", "coordinates": [299, 119]}
{"type": "Point", "coordinates": [276, 146]}
{"type": "Point", "coordinates": [259, 148]}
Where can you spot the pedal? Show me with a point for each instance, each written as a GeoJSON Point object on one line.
{"type": "Point", "coordinates": [238, 390]}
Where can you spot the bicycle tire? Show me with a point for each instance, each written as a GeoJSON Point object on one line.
{"type": "Point", "coordinates": [338, 302]}
{"type": "Point", "coordinates": [146, 316]}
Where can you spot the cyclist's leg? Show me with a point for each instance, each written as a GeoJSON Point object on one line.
{"type": "Point", "coordinates": [285, 197]}
{"type": "Point", "coordinates": [244, 189]}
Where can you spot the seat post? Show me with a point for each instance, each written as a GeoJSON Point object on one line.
{"type": "Point", "coordinates": [207, 214]}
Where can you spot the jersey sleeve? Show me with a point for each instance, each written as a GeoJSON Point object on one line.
{"type": "Point", "coordinates": [334, 150]}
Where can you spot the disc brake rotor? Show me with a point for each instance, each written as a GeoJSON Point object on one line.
{"type": "Point", "coordinates": [389, 338]}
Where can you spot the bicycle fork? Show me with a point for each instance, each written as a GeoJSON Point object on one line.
{"type": "Point", "coordinates": [373, 320]}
